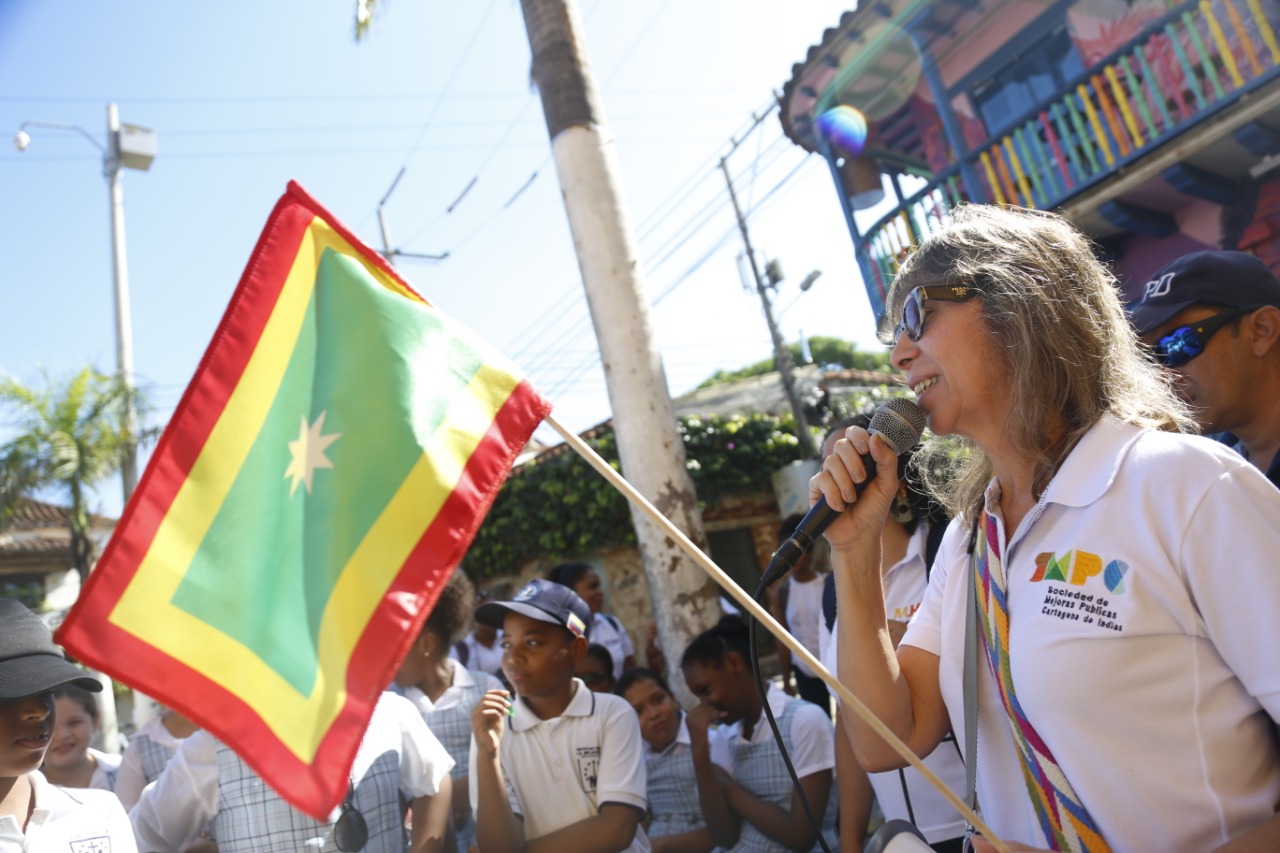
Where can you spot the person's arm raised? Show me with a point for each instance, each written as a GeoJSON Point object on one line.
{"type": "Point", "coordinates": [722, 821]}
{"type": "Point", "coordinates": [497, 827]}
{"type": "Point", "coordinates": [899, 688]}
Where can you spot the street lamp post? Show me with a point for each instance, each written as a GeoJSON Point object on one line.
{"type": "Point", "coordinates": [128, 147]}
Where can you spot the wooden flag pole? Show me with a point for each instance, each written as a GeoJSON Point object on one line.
{"type": "Point", "coordinates": [747, 603]}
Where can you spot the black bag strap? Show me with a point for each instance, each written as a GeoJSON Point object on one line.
{"type": "Point", "coordinates": [829, 600]}
{"type": "Point", "coordinates": [937, 530]}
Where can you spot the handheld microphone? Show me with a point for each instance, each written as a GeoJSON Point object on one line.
{"type": "Point", "coordinates": [899, 423]}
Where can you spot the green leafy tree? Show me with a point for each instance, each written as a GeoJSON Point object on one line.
{"type": "Point", "coordinates": [68, 438]}
{"type": "Point", "coordinates": [825, 351]}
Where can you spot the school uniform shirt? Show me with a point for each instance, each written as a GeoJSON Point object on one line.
{"type": "Point", "coordinates": [206, 783]}
{"type": "Point", "coordinates": [1142, 591]}
{"type": "Point", "coordinates": [608, 632]}
{"type": "Point", "coordinates": [143, 761]}
{"type": "Point", "coordinates": [810, 740]}
{"type": "Point", "coordinates": [672, 786]}
{"type": "Point", "coordinates": [905, 794]}
{"type": "Point", "coordinates": [74, 820]}
{"type": "Point", "coordinates": [560, 771]}
{"type": "Point", "coordinates": [814, 735]}
{"type": "Point", "coordinates": [449, 719]}
{"type": "Point", "coordinates": [481, 658]}
{"type": "Point", "coordinates": [804, 614]}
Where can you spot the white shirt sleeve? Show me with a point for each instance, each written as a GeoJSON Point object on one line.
{"type": "Point", "coordinates": [812, 740]}
{"type": "Point", "coordinates": [423, 759]}
{"type": "Point", "coordinates": [130, 780]}
{"type": "Point", "coordinates": [621, 775]}
{"type": "Point", "coordinates": [171, 811]}
{"type": "Point", "coordinates": [719, 740]}
{"type": "Point", "coordinates": [1228, 556]}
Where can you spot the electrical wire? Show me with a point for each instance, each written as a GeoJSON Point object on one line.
{"type": "Point", "coordinates": [685, 233]}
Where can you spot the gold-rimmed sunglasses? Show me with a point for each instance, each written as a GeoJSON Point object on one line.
{"type": "Point", "coordinates": [912, 321]}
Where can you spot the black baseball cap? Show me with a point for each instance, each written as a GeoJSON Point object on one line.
{"type": "Point", "coordinates": [1230, 279]}
{"type": "Point", "coordinates": [544, 601]}
{"type": "Point", "coordinates": [30, 663]}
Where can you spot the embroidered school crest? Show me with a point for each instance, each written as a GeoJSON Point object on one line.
{"type": "Point", "coordinates": [588, 767]}
{"type": "Point", "coordinates": [92, 845]}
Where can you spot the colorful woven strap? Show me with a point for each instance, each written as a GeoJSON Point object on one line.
{"type": "Point", "coordinates": [1063, 817]}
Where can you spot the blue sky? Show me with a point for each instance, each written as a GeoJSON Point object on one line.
{"type": "Point", "coordinates": [246, 96]}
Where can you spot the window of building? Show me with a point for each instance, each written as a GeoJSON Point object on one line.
{"type": "Point", "coordinates": [1028, 80]}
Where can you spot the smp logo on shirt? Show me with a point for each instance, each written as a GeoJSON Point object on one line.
{"type": "Point", "coordinates": [92, 845]}
{"type": "Point", "coordinates": [1078, 567]}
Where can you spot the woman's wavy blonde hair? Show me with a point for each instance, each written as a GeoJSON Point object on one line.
{"type": "Point", "coordinates": [1068, 348]}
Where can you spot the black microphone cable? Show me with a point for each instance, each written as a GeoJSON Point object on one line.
{"type": "Point", "coordinates": [900, 423]}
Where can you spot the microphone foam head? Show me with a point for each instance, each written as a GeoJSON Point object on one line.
{"type": "Point", "coordinates": [899, 422]}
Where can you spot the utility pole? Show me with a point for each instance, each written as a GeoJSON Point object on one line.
{"type": "Point", "coordinates": [651, 450]}
{"type": "Point", "coordinates": [780, 352]}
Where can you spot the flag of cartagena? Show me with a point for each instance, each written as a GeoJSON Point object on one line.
{"type": "Point", "coordinates": [322, 476]}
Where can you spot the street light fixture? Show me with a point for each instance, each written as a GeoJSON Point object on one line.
{"type": "Point", "coordinates": [128, 147]}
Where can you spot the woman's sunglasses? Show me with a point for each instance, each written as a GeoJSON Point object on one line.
{"type": "Point", "coordinates": [912, 321]}
{"type": "Point", "coordinates": [1186, 342]}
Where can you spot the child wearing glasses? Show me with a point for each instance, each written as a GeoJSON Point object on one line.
{"type": "Point", "coordinates": [596, 669]}
{"type": "Point", "coordinates": [34, 814]}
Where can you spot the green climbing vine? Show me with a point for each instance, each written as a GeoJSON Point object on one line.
{"type": "Point", "coordinates": [558, 507]}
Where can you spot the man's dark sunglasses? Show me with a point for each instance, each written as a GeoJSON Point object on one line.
{"type": "Point", "coordinates": [912, 321]}
{"type": "Point", "coordinates": [1186, 342]}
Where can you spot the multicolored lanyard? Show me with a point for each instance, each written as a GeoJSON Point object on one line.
{"type": "Point", "coordinates": [1064, 819]}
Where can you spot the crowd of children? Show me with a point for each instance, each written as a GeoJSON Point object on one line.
{"type": "Point", "coordinates": [569, 748]}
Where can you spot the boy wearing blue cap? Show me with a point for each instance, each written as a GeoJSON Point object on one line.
{"type": "Point", "coordinates": [569, 777]}
{"type": "Point", "coordinates": [35, 815]}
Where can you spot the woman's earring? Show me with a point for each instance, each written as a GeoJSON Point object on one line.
{"type": "Point", "coordinates": [901, 510]}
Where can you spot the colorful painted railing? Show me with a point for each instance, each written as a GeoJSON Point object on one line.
{"type": "Point", "coordinates": [1178, 70]}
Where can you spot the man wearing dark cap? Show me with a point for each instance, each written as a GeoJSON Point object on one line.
{"type": "Point", "coordinates": [35, 815]}
{"type": "Point", "coordinates": [570, 773]}
{"type": "Point", "coordinates": [1213, 319]}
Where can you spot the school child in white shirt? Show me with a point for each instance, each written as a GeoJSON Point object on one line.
{"type": "Point", "coordinates": [206, 784]}
{"type": "Point", "coordinates": [148, 751]}
{"type": "Point", "coordinates": [675, 821]}
{"type": "Point", "coordinates": [445, 692]}
{"type": "Point", "coordinates": [752, 805]}
{"type": "Point", "coordinates": [570, 773]}
{"type": "Point", "coordinates": [606, 630]}
{"type": "Point", "coordinates": [70, 761]}
{"type": "Point", "coordinates": [35, 815]}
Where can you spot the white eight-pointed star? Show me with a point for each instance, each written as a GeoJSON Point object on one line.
{"type": "Point", "coordinates": [307, 453]}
